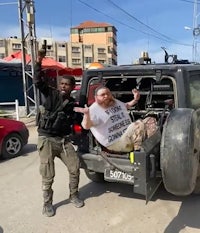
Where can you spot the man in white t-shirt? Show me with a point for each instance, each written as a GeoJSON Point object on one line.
{"type": "Point", "coordinates": [110, 123]}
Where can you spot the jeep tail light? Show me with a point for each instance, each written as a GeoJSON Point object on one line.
{"type": "Point", "coordinates": [77, 128]}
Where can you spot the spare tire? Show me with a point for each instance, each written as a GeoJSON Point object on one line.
{"type": "Point", "coordinates": [179, 151]}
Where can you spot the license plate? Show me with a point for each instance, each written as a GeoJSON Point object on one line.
{"type": "Point", "coordinates": [118, 176]}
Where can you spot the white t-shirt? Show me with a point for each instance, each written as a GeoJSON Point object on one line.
{"type": "Point", "coordinates": [109, 124]}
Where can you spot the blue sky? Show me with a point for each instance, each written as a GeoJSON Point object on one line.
{"type": "Point", "coordinates": [142, 25]}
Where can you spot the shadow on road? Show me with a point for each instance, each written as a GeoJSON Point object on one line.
{"type": "Point", "coordinates": [188, 215]}
{"type": "Point", "coordinates": [29, 148]}
{"type": "Point", "coordinates": [1, 229]}
{"type": "Point", "coordinates": [93, 189]}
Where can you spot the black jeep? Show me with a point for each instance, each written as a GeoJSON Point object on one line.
{"type": "Point", "coordinates": [169, 92]}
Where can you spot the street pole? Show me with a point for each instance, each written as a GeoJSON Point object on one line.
{"type": "Point", "coordinates": [28, 40]}
{"type": "Point", "coordinates": [196, 31]}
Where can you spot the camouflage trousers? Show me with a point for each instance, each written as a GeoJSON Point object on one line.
{"type": "Point", "coordinates": [135, 134]}
{"type": "Point", "coordinates": [51, 147]}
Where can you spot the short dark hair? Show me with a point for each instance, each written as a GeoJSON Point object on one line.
{"type": "Point", "coordinates": [70, 78]}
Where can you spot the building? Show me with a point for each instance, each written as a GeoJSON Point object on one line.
{"type": "Point", "coordinates": [89, 42]}
{"type": "Point", "coordinates": [92, 42]}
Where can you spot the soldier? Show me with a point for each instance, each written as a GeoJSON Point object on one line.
{"type": "Point", "coordinates": [110, 123]}
{"type": "Point", "coordinates": [54, 128]}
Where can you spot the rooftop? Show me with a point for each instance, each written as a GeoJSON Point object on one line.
{"type": "Point", "coordinates": [92, 24]}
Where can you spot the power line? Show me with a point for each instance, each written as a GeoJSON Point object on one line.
{"type": "Point", "coordinates": [8, 3]}
{"type": "Point", "coordinates": [189, 1]}
{"type": "Point", "coordinates": [120, 22]}
{"type": "Point", "coordinates": [133, 17]}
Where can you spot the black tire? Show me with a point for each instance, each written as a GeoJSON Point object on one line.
{"type": "Point", "coordinates": [12, 146]}
{"type": "Point", "coordinates": [197, 186]}
{"type": "Point", "coordinates": [95, 176]}
{"type": "Point", "coordinates": [179, 151]}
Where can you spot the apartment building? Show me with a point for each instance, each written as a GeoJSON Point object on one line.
{"type": "Point", "coordinates": [92, 42]}
{"type": "Point", "coordinates": [89, 42]}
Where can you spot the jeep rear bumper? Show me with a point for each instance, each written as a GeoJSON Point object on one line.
{"type": "Point", "coordinates": [143, 168]}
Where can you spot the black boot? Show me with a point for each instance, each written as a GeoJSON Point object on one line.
{"type": "Point", "coordinates": [48, 209]}
{"type": "Point", "coordinates": [76, 201]}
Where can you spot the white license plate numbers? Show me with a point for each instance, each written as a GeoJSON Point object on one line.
{"type": "Point", "coordinates": [116, 175]}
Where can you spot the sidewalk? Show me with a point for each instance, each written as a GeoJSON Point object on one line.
{"type": "Point", "coordinates": [28, 121]}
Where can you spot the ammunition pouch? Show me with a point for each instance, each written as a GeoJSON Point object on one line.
{"type": "Point", "coordinates": [56, 122]}
{"type": "Point", "coordinates": [59, 120]}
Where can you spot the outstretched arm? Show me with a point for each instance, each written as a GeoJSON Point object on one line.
{"type": "Point", "coordinates": [38, 74]}
{"type": "Point", "coordinates": [86, 122]}
{"type": "Point", "coordinates": [136, 95]}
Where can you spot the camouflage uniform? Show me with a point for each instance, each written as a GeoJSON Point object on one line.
{"type": "Point", "coordinates": [135, 134]}
{"type": "Point", "coordinates": [49, 148]}
{"type": "Point", "coordinates": [54, 128]}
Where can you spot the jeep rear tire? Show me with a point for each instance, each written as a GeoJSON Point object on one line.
{"type": "Point", "coordinates": [95, 176]}
{"type": "Point", "coordinates": [180, 151]}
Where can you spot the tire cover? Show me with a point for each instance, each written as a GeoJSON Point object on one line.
{"type": "Point", "coordinates": [179, 152]}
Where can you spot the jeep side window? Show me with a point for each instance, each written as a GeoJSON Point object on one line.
{"type": "Point", "coordinates": [91, 91]}
{"type": "Point", "coordinates": [194, 89]}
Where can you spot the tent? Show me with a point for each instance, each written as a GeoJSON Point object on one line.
{"type": "Point", "coordinates": [53, 67]}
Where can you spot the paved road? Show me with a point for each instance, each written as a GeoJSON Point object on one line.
{"type": "Point", "coordinates": [110, 208]}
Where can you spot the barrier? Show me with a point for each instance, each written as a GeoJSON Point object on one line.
{"type": "Point", "coordinates": [14, 113]}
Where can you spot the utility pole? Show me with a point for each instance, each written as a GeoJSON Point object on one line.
{"type": "Point", "coordinates": [196, 30]}
{"type": "Point", "coordinates": [26, 12]}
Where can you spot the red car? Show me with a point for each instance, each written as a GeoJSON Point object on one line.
{"type": "Point", "coordinates": [13, 136]}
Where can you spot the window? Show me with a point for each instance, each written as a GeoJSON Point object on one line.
{"type": "Point", "coordinates": [101, 29]}
{"type": "Point", "coordinates": [88, 59]}
{"type": "Point", "coordinates": [61, 45]}
{"type": "Point", "coordinates": [49, 47]}
{"type": "Point", "coordinates": [101, 50]}
{"type": "Point", "coordinates": [16, 46]}
{"type": "Point", "coordinates": [194, 96]}
{"type": "Point", "coordinates": [110, 61]}
{"type": "Point", "coordinates": [102, 61]}
{"type": "Point", "coordinates": [110, 39]}
{"type": "Point", "coordinates": [75, 50]}
{"type": "Point", "coordinates": [86, 30]}
{"type": "Point", "coordinates": [109, 29]}
{"type": "Point", "coordinates": [88, 47]}
{"type": "Point", "coordinates": [94, 29]}
{"type": "Point", "coordinates": [74, 31]}
{"type": "Point", "coordinates": [2, 55]}
{"type": "Point", "coordinates": [2, 43]}
{"type": "Point", "coordinates": [110, 50]}
{"type": "Point", "coordinates": [61, 58]}
{"type": "Point", "coordinates": [76, 61]}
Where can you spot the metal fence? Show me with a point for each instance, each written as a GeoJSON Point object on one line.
{"type": "Point", "coordinates": [14, 112]}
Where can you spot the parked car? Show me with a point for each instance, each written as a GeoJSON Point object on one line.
{"type": "Point", "coordinates": [170, 92]}
{"type": "Point", "coordinates": [13, 137]}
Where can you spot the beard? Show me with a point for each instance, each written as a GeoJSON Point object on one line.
{"type": "Point", "coordinates": [106, 102]}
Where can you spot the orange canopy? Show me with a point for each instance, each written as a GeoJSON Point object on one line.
{"type": "Point", "coordinates": [17, 57]}
{"type": "Point", "coordinates": [47, 63]}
